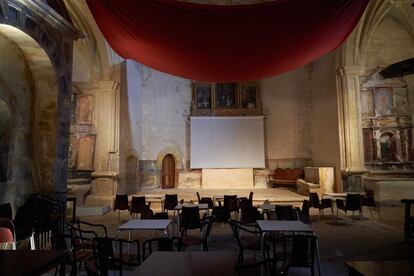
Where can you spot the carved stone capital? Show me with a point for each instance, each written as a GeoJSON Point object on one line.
{"type": "Point", "coordinates": [351, 71]}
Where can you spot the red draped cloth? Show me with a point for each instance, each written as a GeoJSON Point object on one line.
{"type": "Point", "coordinates": [225, 43]}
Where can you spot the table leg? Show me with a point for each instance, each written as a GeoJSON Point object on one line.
{"type": "Point", "coordinates": [318, 257]}
{"type": "Point", "coordinates": [262, 247]}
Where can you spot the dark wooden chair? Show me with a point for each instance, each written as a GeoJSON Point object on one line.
{"type": "Point", "coordinates": [109, 259]}
{"type": "Point", "coordinates": [314, 202]}
{"type": "Point", "coordinates": [162, 244]}
{"type": "Point", "coordinates": [137, 205]}
{"type": "Point", "coordinates": [368, 200]}
{"type": "Point", "coordinates": [205, 200]}
{"type": "Point", "coordinates": [190, 219]}
{"type": "Point", "coordinates": [304, 212]}
{"type": "Point", "coordinates": [251, 240]}
{"type": "Point", "coordinates": [121, 203]}
{"type": "Point", "coordinates": [250, 215]}
{"type": "Point", "coordinates": [352, 203]}
{"type": "Point", "coordinates": [170, 202]}
{"type": "Point", "coordinates": [76, 254]}
{"type": "Point", "coordinates": [286, 212]}
{"type": "Point", "coordinates": [300, 250]}
{"type": "Point", "coordinates": [223, 212]}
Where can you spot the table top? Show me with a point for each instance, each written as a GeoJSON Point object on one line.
{"type": "Point", "coordinates": [407, 201]}
{"type": "Point", "coordinates": [29, 262]}
{"type": "Point", "coordinates": [221, 197]}
{"type": "Point", "coordinates": [188, 263]}
{"type": "Point", "coordinates": [283, 225]}
{"type": "Point", "coordinates": [383, 268]}
{"type": "Point", "coordinates": [200, 206]}
{"type": "Point", "coordinates": [145, 224]}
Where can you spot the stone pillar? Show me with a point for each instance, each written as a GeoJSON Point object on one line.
{"type": "Point", "coordinates": [107, 137]}
{"type": "Point", "coordinates": [350, 131]}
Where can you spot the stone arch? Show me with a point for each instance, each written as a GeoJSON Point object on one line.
{"type": "Point", "coordinates": [350, 60]}
{"type": "Point", "coordinates": [178, 159]}
{"type": "Point", "coordinates": [55, 35]}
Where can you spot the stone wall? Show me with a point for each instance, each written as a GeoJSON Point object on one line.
{"type": "Point", "coordinates": [325, 129]}
{"type": "Point", "coordinates": [287, 104]}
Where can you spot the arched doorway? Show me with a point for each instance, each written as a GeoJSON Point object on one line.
{"type": "Point", "coordinates": [168, 172]}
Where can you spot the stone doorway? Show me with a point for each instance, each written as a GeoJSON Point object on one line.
{"type": "Point", "coordinates": [168, 172]}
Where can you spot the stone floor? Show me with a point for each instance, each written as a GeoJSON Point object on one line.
{"type": "Point", "coordinates": [349, 239]}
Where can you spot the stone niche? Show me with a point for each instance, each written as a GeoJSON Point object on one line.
{"type": "Point", "coordinates": [386, 124]}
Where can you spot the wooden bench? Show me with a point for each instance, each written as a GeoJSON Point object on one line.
{"type": "Point", "coordinates": [285, 177]}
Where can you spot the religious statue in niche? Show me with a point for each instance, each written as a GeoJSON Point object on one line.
{"type": "Point", "coordinates": [226, 95]}
{"type": "Point", "coordinates": [203, 95]}
{"type": "Point", "coordinates": [388, 147]}
{"type": "Point", "coordinates": [248, 96]}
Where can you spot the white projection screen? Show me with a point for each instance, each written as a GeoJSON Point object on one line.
{"type": "Point", "coordinates": [227, 142]}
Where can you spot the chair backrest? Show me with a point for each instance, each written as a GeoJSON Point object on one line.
{"type": "Point", "coordinates": [121, 202]}
{"type": "Point", "coordinates": [245, 204]}
{"type": "Point", "coordinates": [304, 213]}
{"type": "Point", "coordinates": [251, 196]}
{"type": "Point", "coordinates": [314, 200]}
{"type": "Point", "coordinates": [279, 173]}
{"type": "Point", "coordinates": [238, 229]}
{"type": "Point", "coordinates": [231, 203]}
{"type": "Point", "coordinates": [271, 215]}
{"type": "Point", "coordinates": [303, 249]}
{"type": "Point", "coordinates": [198, 197]}
{"type": "Point", "coordinates": [190, 217]}
{"type": "Point", "coordinates": [81, 238]}
{"type": "Point", "coordinates": [99, 229]}
{"type": "Point", "coordinates": [147, 213]}
{"type": "Point", "coordinates": [170, 201]}
{"type": "Point", "coordinates": [250, 215]}
{"type": "Point", "coordinates": [353, 202]}
{"type": "Point", "coordinates": [285, 212]}
{"type": "Point", "coordinates": [6, 211]}
{"type": "Point", "coordinates": [163, 244]}
{"type": "Point", "coordinates": [137, 204]}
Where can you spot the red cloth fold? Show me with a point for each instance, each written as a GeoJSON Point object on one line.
{"type": "Point", "coordinates": [225, 43]}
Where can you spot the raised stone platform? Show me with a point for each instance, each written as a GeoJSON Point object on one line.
{"type": "Point", "coordinates": [273, 195]}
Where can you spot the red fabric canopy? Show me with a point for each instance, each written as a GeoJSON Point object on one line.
{"type": "Point", "coordinates": [225, 43]}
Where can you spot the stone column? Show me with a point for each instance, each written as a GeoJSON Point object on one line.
{"type": "Point", "coordinates": [350, 131]}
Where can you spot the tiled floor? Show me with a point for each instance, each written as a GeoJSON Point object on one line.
{"type": "Point", "coordinates": [348, 239]}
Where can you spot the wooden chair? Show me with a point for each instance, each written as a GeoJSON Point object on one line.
{"type": "Point", "coordinates": [205, 200]}
{"type": "Point", "coordinates": [301, 250]}
{"type": "Point", "coordinates": [138, 204]}
{"type": "Point", "coordinates": [109, 259]}
{"type": "Point", "coordinates": [368, 200]}
{"type": "Point", "coordinates": [162, 244]}
{"type": "Point", "coordinates": [190, 219]}
{"type": "Point", "coordinates": [121, 203]}
{"type": "Point", "coordinates": [314, 202]}
{"type": "Point", "coordinates": [251, 240]}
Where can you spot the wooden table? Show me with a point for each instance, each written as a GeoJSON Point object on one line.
{"type": "Point", "coordinates": [212, 263]}
{"type": "Point", "coordinates": [381, 268]}
{"type": "Point", "coordinates": [408, 219]}
{"type": "Point", "coordinates": [31, 262]}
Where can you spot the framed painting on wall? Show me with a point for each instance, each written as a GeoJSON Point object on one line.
{"type": "Point", "coordinates": [226, 95]}
{"type": "Point", "coordinates": [203, 95]}
{"type": "Point", "coordinates": [249, 95]}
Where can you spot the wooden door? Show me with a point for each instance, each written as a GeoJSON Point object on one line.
{"type": "Point", "coordinates": [168, 172]}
